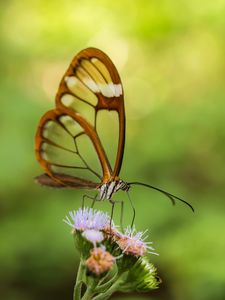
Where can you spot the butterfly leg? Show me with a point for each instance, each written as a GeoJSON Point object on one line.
{"type": "Point", "coordinates": [134, 212]}
{"type": "Point", "coordinates": [94, 199]}
{"type": "Point", "coordinates": [89, 197]}
{"type": "Point", "coordinates": [112, 211]}
{"type": "Point", "coordinates": [121, 213]}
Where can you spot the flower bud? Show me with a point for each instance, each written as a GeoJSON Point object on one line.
{"type": "Point", "coordinates": [100, 261]}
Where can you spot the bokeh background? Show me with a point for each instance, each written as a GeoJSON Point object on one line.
{"type": "Point", "coordinates": [170, 55]}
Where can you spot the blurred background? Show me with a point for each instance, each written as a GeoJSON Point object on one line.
{"type": "Point", "coordinates": [170, 55]}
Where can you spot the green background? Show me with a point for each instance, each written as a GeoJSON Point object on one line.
{"type": "Point", "coordinates": [170, 55]}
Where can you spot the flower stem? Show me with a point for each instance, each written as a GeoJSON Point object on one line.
{"type": "Point", "coordinates": [102, 287]}
{"type": "Point", "coordinates": [114, 287]}
{"type": "Point", "coordinates": [78, 284]}
{"type": "Point", "coordinates": [90, 291]}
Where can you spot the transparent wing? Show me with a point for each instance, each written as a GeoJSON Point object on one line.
{"type": "Point", "coordinates": [66, 148]}
{"type": "Point", "coordinates": [90, 85]}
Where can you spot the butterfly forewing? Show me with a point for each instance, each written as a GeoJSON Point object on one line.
{"type": "Point", "coordinates": [67, 140]}
{"type": "Point", "coordinates": [92, 79]}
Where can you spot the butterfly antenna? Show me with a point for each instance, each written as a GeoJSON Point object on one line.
{"type": "Point", "coordinates": [172, 197]}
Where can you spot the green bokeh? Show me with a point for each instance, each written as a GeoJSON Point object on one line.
{"type": "Point", "coordinates": [170, 55]}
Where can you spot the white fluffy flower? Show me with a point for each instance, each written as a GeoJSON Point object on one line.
{"type": "Point", "coordinates": [87, 218]}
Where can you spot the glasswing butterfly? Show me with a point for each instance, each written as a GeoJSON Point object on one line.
{"type": "Point", "coordinates": [91, 83]}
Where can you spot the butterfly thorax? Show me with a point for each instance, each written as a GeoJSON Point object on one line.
{"type": "Point", "coordinates": [108, 189]}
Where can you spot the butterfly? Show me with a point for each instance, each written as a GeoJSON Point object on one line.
{"type": "Point", "coordinates": [91, 83]}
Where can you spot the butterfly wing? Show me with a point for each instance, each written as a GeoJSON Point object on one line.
{"type": "Point", "coordinates": [92, 83]}
{"type": "Point", "coordinates": [65, 181]}
{"type": "Point", "coordinates": [58, 149]}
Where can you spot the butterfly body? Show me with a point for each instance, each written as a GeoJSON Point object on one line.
{"type": "Point", "coordinates": [108, 189]}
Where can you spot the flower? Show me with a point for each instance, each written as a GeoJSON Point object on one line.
{"type": "Point", "coordinates": [133, 243]}
{"type": "Point", "coordinates": [87, 218]}
{"type": "Point", "coordinates": [93, 236]}
{"type": "Point", "coordinates": [99, 261]}
{"type": "Point", "coordinates": [110, 260]}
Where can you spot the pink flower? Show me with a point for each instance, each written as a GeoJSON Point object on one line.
{"type": "Point", "coordinates": [133, 243]}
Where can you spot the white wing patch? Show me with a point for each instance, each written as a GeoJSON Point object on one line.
{"type": "Point", "coordinates": [68, 100]}
{"type": "Point", "coordinates": [79, 89]}
{"type": "Point", "coordinates": [92, 77]}
{"type": "Point", "coordinates": [106, 90]}
{"type": "Point", "coordinates": [118, 90]}
{"type": "Point", "coordinates": [87, 80]}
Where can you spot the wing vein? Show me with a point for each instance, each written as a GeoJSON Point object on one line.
{"type": "Point", "coordinates": [68, 166]}
{"type": "Point", "coordinates": [47, 141]}
{"type": "Point", "coordinates": [84, 161]}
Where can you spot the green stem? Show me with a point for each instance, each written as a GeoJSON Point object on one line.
{"type": "Point", "coordinates": [114, 287]}
{"type": "Point", "coordinates": [78, 284]}
{"type": "Point", "coordinates": [90, 291]}
{"type": "Point", "coordinates": [111, 273]}
{"type": "Point", "coordinates": [88, 294]}
{"type": "Point", "coordinates": [102, 287]}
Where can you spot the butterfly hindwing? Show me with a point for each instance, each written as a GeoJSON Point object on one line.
{"type": "Point", "coordinates": [59, 140]}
